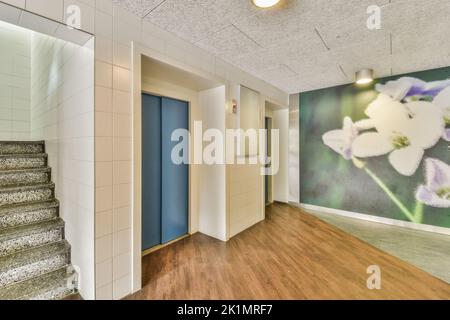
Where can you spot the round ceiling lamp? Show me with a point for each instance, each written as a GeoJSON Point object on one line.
{"type": "Point", "coordinates": [364, 76]}
{"type": "Point", "coordinates": [265, 3]}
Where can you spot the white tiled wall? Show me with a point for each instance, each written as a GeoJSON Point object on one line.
{"type": "Point", "coordinates": [14, 83]}
{"type": "Point", "coordinates": [245, 187]}
{"type": "Point", "coordinates": [114, 31]}
{"type": "Point", "coordinates": [62, 114]}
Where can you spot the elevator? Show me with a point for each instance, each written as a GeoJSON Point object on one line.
{"type": "Point", "coordinates": [165, 184]}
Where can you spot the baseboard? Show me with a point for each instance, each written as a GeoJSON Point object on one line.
{"type": "Point", "coordinates": [366, 217]}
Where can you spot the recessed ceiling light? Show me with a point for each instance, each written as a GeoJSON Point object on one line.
{"type": "Point", "coordinates": [265, 3]}
{"type": "Point", "coordinates": [364, 76]}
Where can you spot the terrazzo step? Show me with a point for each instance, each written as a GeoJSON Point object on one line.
{"type": "Point", "coordinates": [23, 177]}
{"type": "Point", "coordinates": [25, 194]}
{"type": "Point", "coordinates": [25, 265]}
{"type": "Point", "coordinates": [22, 147]}
{"type": "Point", "coordinates": [55, 285]}
{"type": "Point", "coordinates": [23, 238]}
{"type": "Point", "coordinates": [23, 161]}
{"type": "Point", "coordinates": [25, 214]}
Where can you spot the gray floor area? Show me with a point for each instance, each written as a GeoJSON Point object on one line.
{"type": "Point", "coordinates": [425, 250]}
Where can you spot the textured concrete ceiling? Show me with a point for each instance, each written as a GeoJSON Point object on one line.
{"type": "Point", "coordinates": [300, 45]}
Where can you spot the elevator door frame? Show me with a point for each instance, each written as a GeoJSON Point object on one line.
{"type": "Point", "coordinates": [158, 247]}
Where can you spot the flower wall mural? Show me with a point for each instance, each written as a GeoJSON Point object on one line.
{"type": "Point", "coordinates": [382, 150]}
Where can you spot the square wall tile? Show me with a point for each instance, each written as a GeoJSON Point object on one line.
{"type": "Point", "coordinates": [52, 9]}
{"type": "Point", "coordinates": [104, 293]}
{"type": "Point", "coordinates": [103, 199]}
{"type": "Point", "coordinates": [122, 149]}
{"type": "Point", "coordinates": [122, 287]}
{"type": "Point", "coordinates": [103, 273]}
{"type": "Point", "coordinates": [103, 49]}
{"type": "Point", "coordinates": [121, 266]}
{"type": "Point", "coordinates": [103, 24]}
{"type": "Point", "coordinates": [121, 172]}
{"type": "Point", "coordinates": [103, 99]}
{"type": "Point", "coordinates": [103, 74]}
{"type": "Point", "coordinates": [121, 218]}
{"type": "Point", "coordinates": [103, 174]}
{"type": "Point", "coordinates": [103, 149]}
{"type": "Point", "coordinates": [122, 126]}
{"type": "Point", "coordinates": [121, 195]}
{"type": "Point", "coordinates": [122, 242]}
{"type": "Point", "coordinates": [121, 79]}
{"type": "Point", "coordinates": [103, 124]}
{"type": "Point", "coordinates": [121, 102]}
{"type": "Point", "coordinates": [103, 223]}
{"type": "Point", "coordinates": [103, 248]}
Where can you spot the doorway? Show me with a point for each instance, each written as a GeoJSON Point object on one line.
{"type": "Point", "coordinates": [268, 178]}
{"type": "Point", "coordinates": [165, 184]}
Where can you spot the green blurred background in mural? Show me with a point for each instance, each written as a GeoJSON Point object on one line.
{"type": "Point", "coordinates": [327, 180]}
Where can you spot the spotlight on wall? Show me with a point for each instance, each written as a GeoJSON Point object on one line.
{"type": "Point", "coordinates": [364, 76]}
{"type": "Point", "coordinates": [265, 3]}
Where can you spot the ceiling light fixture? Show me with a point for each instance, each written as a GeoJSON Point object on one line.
{"type": "Point", "coordinates": [265, 3]}
{"type": "Point", "coordinates": [364, 76]}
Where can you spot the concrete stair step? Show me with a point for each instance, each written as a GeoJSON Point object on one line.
{"type": "Point", "coordinates": [27, 194]}
{"type": "Point", "coordinates": [22, 147]}
{"type": "Point", "coordinates": [22, 177]}
{"type": "Point", "coordinates": [13, 240]}
{"type": "Point", "coordinates": [16, 215]}
{"type": "Point", "coordinates": [23, 161]}
{"type": "Point", "coordinates": [55, 285]}
{"type": "Point", "coordinates": [25, 265]}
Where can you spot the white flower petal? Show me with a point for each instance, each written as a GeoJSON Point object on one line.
{"type": "Point", "coordinates": [387, 114]}
{"type": "Point", "coordinates": [437, 174]}
{"type": "Point", "coordinates": [335, 140]}
{"type": "Point", "coordinates": [427, 126]}
{"type": "Point", "coordinates": [424, 109]}
{"type": "Point", "coordinates": [396, 89]}
{"type": "Point", "coordinates": [406, 160]}
{"type": "Point", "coordinates": [428, 197]}
{"type": "Point", "coordinates": [372, 144]}
{"type": "Point", "coordinates": [365, 124]}
{"type": "Point", "coordinates": [349, 130]}
{"type": "Point", "coordinates": [442, 100]}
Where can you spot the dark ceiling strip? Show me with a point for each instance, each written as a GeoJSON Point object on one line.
{"type": "Point", "coordinates": [247, 36]}
{"type": "Point", "coordinates": [342, 70]}
{"type": "Point", "coordinates": [153, 9]}
{"type": "Point", "coordinates": [321, 38]}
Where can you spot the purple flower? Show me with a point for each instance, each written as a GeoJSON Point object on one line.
{"type": "Point", "coordinates": [410, 89]}
{"type": "Point", "coordinates": [436, 192]}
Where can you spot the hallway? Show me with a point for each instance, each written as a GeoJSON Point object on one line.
{"type": "Point", "coordinates": [290, 255]}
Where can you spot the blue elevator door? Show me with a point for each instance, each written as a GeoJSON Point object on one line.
{"type": "Point", "coordinates": [175, 178]}
{"type": "Point", "coordinates": [151, 171]}
{"type": "Point", "coordinates": [165, 185]}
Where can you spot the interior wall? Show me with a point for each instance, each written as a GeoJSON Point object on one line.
{"type": "Point", "coordinates": [62, 114]}
{"type": "Point", "coordinates": [15, 76]}
{"type": "Point", "coordinates": [212, 209]}
{"type": "Point", "coordinates": [352, 163]}
{"type": "Point", "coordinates": [280, 121]}
{"type": "Point", "coordinates": [245, 181]}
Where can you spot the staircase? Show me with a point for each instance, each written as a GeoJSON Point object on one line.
{"type": "Point", "coordinates": [34, 256]}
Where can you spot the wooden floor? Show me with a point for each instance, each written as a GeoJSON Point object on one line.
{"type": "Point", "coordinates": [291, 255]}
